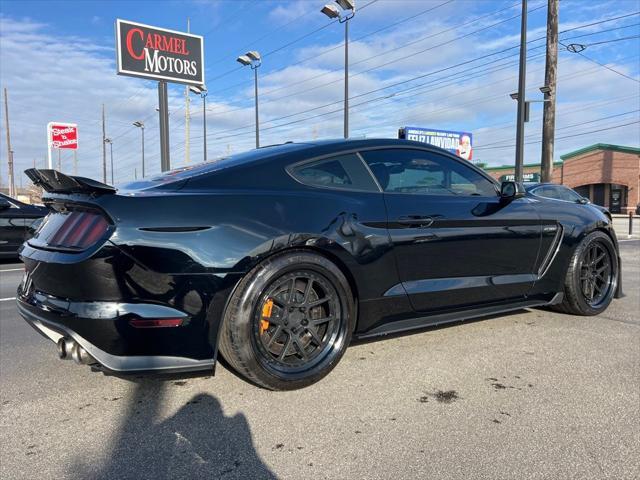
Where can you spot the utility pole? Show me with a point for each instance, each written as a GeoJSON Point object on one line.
{"type": "Point", "coordinates": [104, 149]}
{"type": "Point", "coordinates": [187, 115]}
{"type": "Point", "coordinates": [550, 74]}
{"type": "Point", "coordinates": [12, 186]}
{"type": "Point", "coordinates": [521, 92]}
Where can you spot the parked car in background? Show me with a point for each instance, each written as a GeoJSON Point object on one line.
{"type": "Point", "coordinates": [278, 257]}
{"type": "Point", "coordinates": [563, 193]}
{"type": "Point", "coordinates": [18, 222]}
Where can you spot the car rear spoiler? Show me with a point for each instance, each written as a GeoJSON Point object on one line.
{"type": "Point", "coordinates": [55, 182]}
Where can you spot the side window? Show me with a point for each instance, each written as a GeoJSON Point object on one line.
{"type": "Point", "coordinates": [568, 194]}
{"type": "Point", "coordinates": [426, 173]}
{"type": "Point", "coordinates": [345, 172]}
{"type": "Point", "coordinates": [543, 192]}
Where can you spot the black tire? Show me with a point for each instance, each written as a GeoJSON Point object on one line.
{"type": "Point", "coordinates": [309, 340]}
{"type": "Point", "coordinates": [582, 294]}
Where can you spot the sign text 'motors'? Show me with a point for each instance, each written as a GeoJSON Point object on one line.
{"type": "Point", "coordinates": [159, 54]}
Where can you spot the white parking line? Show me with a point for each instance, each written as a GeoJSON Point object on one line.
{"type": "Point", "coordinates": [13, 270]}
{"type": "Point", "coordinates": [7, 299]}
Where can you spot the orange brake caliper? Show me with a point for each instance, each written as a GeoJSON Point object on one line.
{"type": "Point", "coordinates": [266, 315]}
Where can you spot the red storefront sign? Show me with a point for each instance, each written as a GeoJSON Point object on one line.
{"type": "Point", "coordinates": [63, 135]}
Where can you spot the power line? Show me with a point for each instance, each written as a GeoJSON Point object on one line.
{"type": "Point", "coordinates": [268, 100]}
{"type": "Point", "coordinates": [602, 65]}
{"type": "Point", "coordinates": [563, 110]}
{"type": "Point", "coordinates": [413, 42]}
{"type": "Point", "coordinates": [568, 136]}
{"type": "Point", "coordinates": [267, 93]}
{"type": "Point", "coordinates": [608, 117]}
{"type": "Point", "coordinates": [288, 44]}
{"type": "Point", "coordinates": [385, 87]}
{"type": "Point", "coordinates": [611, 41]}
{"type": "Point", "coordinates": [579, 73]}
{"type": "Point", "coordinates": [395, 84]}
{"type": "Point", "coordinates": [340, 45]}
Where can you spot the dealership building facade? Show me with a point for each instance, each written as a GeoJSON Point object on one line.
{"type": "Point", "coordinates": [609, 175]}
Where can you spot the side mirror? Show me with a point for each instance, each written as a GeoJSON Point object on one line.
{"type": "Point", "coordinates": [512, 190]}
{"type": "Point", "coordinates": [4, 204]}
{"type": "Point", "coordinates": [584, 201]}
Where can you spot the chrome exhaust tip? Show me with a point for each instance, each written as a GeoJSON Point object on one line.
{"type": "Point", "coordinates": [65, 347]}
{"type": "Point", "coordinates": [81, 356]}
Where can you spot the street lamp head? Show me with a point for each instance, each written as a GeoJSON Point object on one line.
{"type": "Point", "coordinates": [253, 55]}
{"type": "Point", "coordinates": [198, 89]}
{"type": "Point", "coordinates": [331, 11]}
{"type": "Point", "coordinates": [546, 89]}
{"type": "Point", "coordinates": [244, 60]}
{"type": "Point", "coordinates": [138, 124]}
{"type": "Point", "coordinates": [347, 4]}
{"type": "Point", "coordinates": [514, 95]}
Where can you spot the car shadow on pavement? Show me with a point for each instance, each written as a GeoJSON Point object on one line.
{"type": "Point", "coordinates": [198, 441]}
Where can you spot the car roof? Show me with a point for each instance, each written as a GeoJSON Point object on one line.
{"type": "Point", "coordinates": [292, 150]}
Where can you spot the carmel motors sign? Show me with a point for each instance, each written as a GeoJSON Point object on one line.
{"type": "Point", "coordinates": [159, 54]}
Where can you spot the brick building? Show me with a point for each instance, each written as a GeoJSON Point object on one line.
{"type": "Point", "coordinates": [609, 175]}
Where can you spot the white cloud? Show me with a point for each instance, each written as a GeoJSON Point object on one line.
{"type": "Point", "coordinates": [292, 10]}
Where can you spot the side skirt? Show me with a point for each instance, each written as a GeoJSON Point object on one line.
{"type": "Point", "coordinates": [450, 317]}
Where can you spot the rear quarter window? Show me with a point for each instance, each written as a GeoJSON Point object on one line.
{"type": "Point", "coordinates": [343, 172]}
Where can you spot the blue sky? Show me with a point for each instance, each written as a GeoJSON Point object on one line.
{"type": "Point", "coordinates": [57, 61]}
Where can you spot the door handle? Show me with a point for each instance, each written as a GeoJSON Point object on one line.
{"type": "Point", "coordinates": [419, 221]}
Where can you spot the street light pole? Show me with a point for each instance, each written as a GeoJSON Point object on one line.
{"type": "Point", "coordinates": [253, 60]}
{"type": "Point", "coordinates": [521, 93]}
{"type": "Point", "coordinates": [255, 94]}
{"type": "Point", "coordinates": [348, 11]}
{"type": "Point", "coordinates": [202, 91]}
{"type": "Point", "coordinates": [204, 123]}
{"type": "Point", "coordinates": [140, 125]}
{"type": "Point", "coordinates": [346, 79]}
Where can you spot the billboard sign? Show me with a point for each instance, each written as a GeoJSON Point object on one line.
{"type": "Point", "coordinates": [62, 135]}
{"type": "Point", "coordinates": [458, 143]}
{"type": "Point", "coordinates": [159, 54]}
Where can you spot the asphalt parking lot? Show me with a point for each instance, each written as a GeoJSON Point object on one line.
{"type": "Point", "coordinates": [534, 394]}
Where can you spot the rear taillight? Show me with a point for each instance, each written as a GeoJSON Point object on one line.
{"type": "Point", "coordinates": [77, 230]}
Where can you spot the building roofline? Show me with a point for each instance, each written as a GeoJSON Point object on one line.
{"type": "Point", "coordinates": [512, 167]}
{"type": "Point", "coordinates": [600, 146]}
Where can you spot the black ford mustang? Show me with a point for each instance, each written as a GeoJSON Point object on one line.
{"type": "Point", "coordinates": [280, 256]}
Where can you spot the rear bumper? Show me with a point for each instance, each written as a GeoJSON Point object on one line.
{"type": "Point", "coordinates": [52, 325]}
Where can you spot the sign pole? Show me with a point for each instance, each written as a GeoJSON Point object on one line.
{"type": "Point", "coordinates": [49, 160]}
{"type": "Point", "coordinates": [163, 111]}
